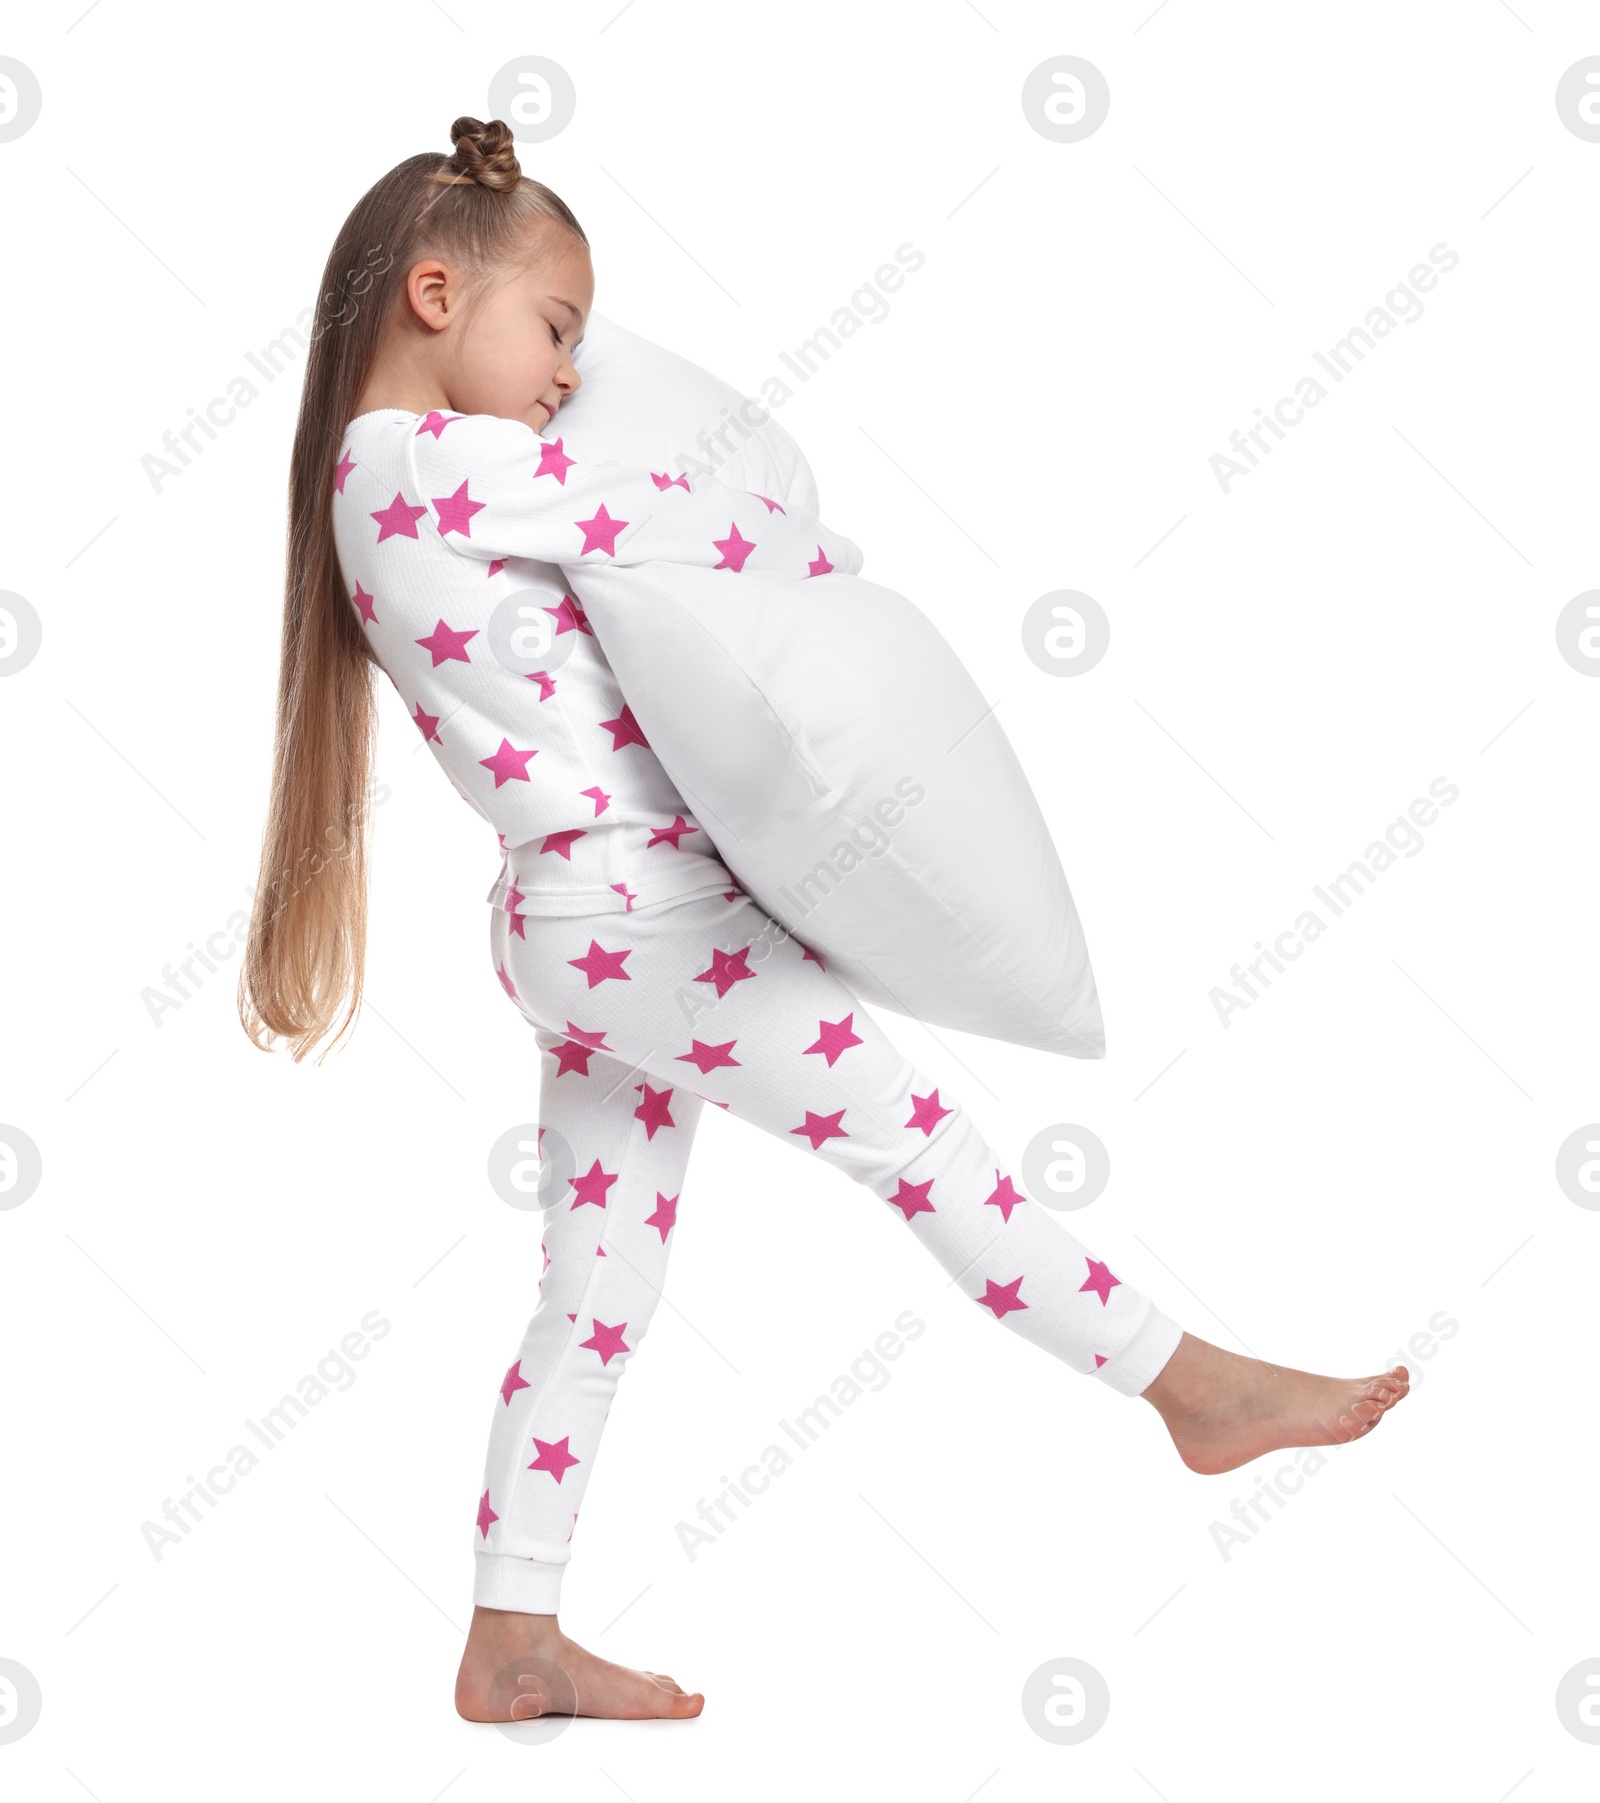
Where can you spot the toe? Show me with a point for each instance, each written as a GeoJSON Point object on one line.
{"type": "Point", "coordinates": [1358, 1418]}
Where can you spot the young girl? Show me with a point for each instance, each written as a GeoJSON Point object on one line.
{"type": "Point", "coordinates": [428, 472]}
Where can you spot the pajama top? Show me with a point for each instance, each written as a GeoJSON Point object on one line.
{"type": "Point", "coordinates": [447, 527]}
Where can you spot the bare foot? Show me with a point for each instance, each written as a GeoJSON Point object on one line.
{"type": "Point", "coordinates": [1223, 1410]}
{"type": "Point", "coordinates": [561, 1678]}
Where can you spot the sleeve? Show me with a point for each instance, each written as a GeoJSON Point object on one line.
{"type": "Point", "coordinates": [495, 488]}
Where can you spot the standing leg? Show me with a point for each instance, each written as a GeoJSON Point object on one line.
{"type": "Point", "coordinates": [616, 1147]}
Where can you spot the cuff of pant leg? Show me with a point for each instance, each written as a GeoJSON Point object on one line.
{"type": "Point", "coordinates": [527, 1586]}
{"type": "Point", "coordinates": [1137, 1362]}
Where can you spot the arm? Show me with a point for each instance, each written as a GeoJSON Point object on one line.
{"type": "Point", "coordinates": [494, 488]}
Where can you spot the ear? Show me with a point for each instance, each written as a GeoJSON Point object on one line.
{"type": "Point", "coordinates": [433, 293]}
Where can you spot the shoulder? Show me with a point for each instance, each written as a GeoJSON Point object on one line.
{"type": "Point", "coordinates": [484, 460]}
{"type": "Point", "coordinates": [447, 439]}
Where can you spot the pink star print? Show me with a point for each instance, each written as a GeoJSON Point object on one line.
{"type": "Point", "coordinates": [819, 565]}
{"type": "Point", "coordinates": [670, 835]}
{"type": "Point", "coordinates": [561, 843]}
{"type": "Point", "coordinates": [1005, 1196]}
{"type": "Point", "coordinates": [772, 506]}
{"type": "Point", "coordinates": [553, 1457]}
{"type": "Point", "coordinates": [570, 1056]}
{"type": "Point", "coordinates": [598, 795]}
{"type": "Point", "coordinates": [456, 511]}
{"type": "Point", "coordinates": [665, 1217]}
{"type": "Point", "coordinates": [505, 982]}
{"type": "Point", "coordinates": [819, 1127]}
{"type": "Point", "coordinates": [653, 1110]}
{"type": "Point", "coordinates": [398, 520]}
{"type": "Point", "coordinates": [592, 1185]}
{"type": "Point", "coordinates": [594, 1039]}
{"type": "Point", "coordinates": [606, 1340]}
{"type": "Point", "coordinates": [570, 617]}
{"type": "Point", "coordinates": [1099, 1280]}
{"type": "Point", "coordinates": [427, 725]}
{"type": "Point", "coordinates": [485, 1515]}
{"type": "Point", "coordinates": [912, 1198]}
{"type": "Point", "coordinates": [624, 730]}
{"type": "Point", "coordinates": [345, 465]}
{"type": "Point", "coordinates": [734, 549]}
{"type": "Point", "coordinates": [928, 1113]}
{"type": "Point", "coordinates": [553, 461]}
{"type": "Point", "coordinates": [444, 643]}
{"type": "Point", "coordinates": [600, 532]}
{"type": "Point", "coordinates": [364, 605]}
{"type": "Point", "coordinates": [663, 480]}
{"type": "Point", "coordinates": [546, 682]}
{"type": "Point", "coordinates": [1001, 1297]}
{"type": "Point", "coordinates": [708, 1057]}
{"type": "Point", "coordinates": [436, 422]}
{"type": "Point", "coordinates": [512, 1382]}
{"type": "Point", "coordinates": [727, 968]}
{"type": "Point", "coordinates": [597, 964]}
{"type": "Point", "coordinates": [835, 1037]}
{"type": "Point", "coordinates": [508, 764]}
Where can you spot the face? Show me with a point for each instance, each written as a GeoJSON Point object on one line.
{"type": "Point", "coordinates": [511, 354]}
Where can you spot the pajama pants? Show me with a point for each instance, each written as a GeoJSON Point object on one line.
{"type": "Point", "coordinates": [643, 1018]}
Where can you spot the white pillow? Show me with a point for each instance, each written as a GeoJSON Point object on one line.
{"type": "Point", "coordinates": [640, 403]}
{"type": "Point", "coordinates": [830, 741]}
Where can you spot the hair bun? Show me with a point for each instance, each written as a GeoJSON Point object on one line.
{"type": "Point", "coordinates": [484, 153]}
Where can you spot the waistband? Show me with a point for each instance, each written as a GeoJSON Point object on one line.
{"type": "Point", "coordinates": [690, 874]}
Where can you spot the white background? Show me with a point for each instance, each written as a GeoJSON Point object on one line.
{"type": "Point", "coordinates": [1369, 1143]}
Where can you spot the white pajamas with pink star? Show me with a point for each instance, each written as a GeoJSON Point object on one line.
{"type": "Point", "coordinates": [641, 1018]}
{"type": "Point", "coordinates": [654, 985]}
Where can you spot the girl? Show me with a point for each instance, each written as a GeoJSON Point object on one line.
{"type": "Point", "coordinates": [428, 465]}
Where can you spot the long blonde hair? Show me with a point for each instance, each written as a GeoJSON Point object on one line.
{"type": "Point", "coordinates": [306, 949]}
